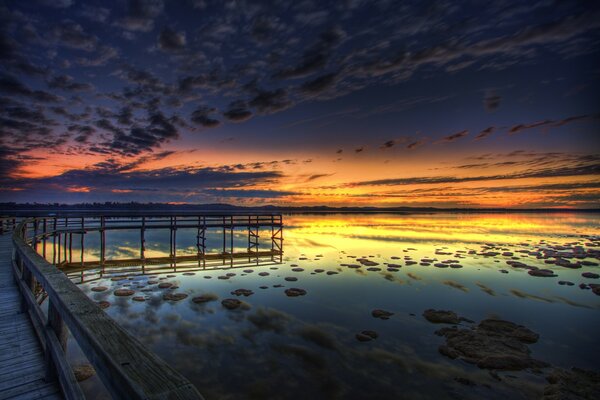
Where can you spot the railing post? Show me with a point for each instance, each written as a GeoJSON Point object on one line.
{"type": "Point", "coordinates": [57, 326]}
{"type": "Point", "coordinates": [102, 241]}
{"type": "Point", "coordinates": [142, 238]}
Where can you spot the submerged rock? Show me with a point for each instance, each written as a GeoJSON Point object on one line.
{"type": "Point", "coordinates": [298, 269]}
{"type": "Point", "coordinates": [441, 316]}
{"type": "Point", "coordinates": [99, 288]}
{"type": "Point", "coordinates": [493, 344]}
{"type": "Point", "coordinates": [332, 272]}
{"type": "Point", "coordinates": [366, 336]}
{"type": "Point", "coordinates": [165, 285]}
{"type": "Point", "coordinates": [294, 292]}
{"type": "Point", "coordinates": [291, 278]}
{"type": "Point", "coordinates": [205, 298]}
{"type": "Point", "coordinates": [123, 292]}
{"type": "Point", "coordinates": [590, 275]}
{"type": "Point", "coordinates": [263, 273]}
{"type": "Point", "coordinates": [138, 298]}
{"type": "Point", "coordinates": [381, 314]}
{"type": "Point", "coordinates": [568, 283]}
{"type": "Point", "coordinates": [103, 304]}
{"type": "Point", "coordinates": [231, 304]}
{"type": "Point", "coordinates": [574, 384]}
{"type": "Point", "coordinates": [174, 296]}
{"type": "Point", "coordinates": [545, 273]}
{"type": "Point", "coordinates": [242, 292]}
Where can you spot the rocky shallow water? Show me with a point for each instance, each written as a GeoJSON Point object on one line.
{"type": "Point", "coordinates": [379, 306]}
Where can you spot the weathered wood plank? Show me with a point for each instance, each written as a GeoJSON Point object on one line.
{"type": "Point", "coordinates": [33, 390]}
{"type": "Point", "coordinates": [21, 357]}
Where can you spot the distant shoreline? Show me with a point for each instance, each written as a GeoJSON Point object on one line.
{"type": "Point", "coordinates": [13, 209]}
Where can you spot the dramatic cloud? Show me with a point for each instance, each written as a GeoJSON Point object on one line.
{"type": "Point", "coordinates": [170, 40]}
{"type": "Point", "coordinates": [491, 100]}
{"type": "Point", "coordinates": [141, 14]}
{"type": "Point", "coordinates": [587, 170]}
{"type": "Point", "coordinates": [238, 112]}
{"type": "Point", "coordinates": [485, 133]}
{"type": "Point", "coordinates": [66, 82]}
{"type": "Point", "coordinates": [201, 116]}
{"type": "Point", "coordinates": [453, 137]}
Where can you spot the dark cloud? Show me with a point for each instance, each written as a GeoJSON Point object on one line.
{"type": "Point", "coordinates": [269, 102]}
{"type": "Point", "coordinates": [491, 100]}
{"type": "Point", "coordinates": [141, 14]}
{"type": "Point", "coordinates": [453, 137]}
{"type": "Point", "coordinates": [317, 176]}
{"type": "Point", "coordinates": [71, 34]}
{"type": "Point", "coordinates": [584, 170]}
{"type": "Point", "coordinates": [521, 127]}
{"type": "Point", "coordinates": [485, 133]}
{"type": "Point", "coordinates": [170, 40]}
{"type": "Point", "coordinates": [238, 112]}
{"type": "Point", "coordinates": [415, 144]}
{"type": "Point", "coordinates": [98, 14]}
{"type": "Point", "coordinates": [12, 86]}
{"type": "Point", "coordinates": [66, 82]}
{"type": "Point", "coordinates": [102, 55]}
{"type": "Point", "coordinates": [111, 175]}
{"type": "Point", "coordinates": [315, 57]}
{"type": "Point", "coordinates": [319, 84]}
{"type": "Point", "coordinates": [388, 144]}
{"type": "Point", "coordinates": [56, 3]}
{"type": "Point", "coordinates": [202, 116]}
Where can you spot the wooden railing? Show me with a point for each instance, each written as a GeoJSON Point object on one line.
{"type": "Point", "coordinates": [127, 369]}
{"type": "Point", "coordinates": [7, 224]}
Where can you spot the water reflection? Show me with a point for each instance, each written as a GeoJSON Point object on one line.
{"type": "Point", "coordinates": [292, 347]}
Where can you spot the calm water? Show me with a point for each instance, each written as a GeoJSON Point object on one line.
{"type": "Point", "coordinates": [276, 346]}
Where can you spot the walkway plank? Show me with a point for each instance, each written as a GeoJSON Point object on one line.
{"type": "Point", "coordinates": [21, 356]}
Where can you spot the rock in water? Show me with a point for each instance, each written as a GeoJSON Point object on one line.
{"type": "Point", "coordinates": [544, 273]}
{"type": "Point", "coordinates": [174, 296]}
{"type": "Point", "coordinates": [103, 304]}
{"type": "Point", "coordinates": [366, 336]}
{"type": "Point", "coordinates": [574, 384]}
{"type": "Point", "coordinates": [205, 298]}
{"type": "Point", "coordinates": [589, 275]}
{"type": "Point", "coordinates": [99, 288]}
{"type": "Point", "coordinates": [83, 372]}
{"type": "Point", "coordinates": [441, 316]}
{"type": "Point", "coordinates": [295, 292]}
{"type": "Point", "coordinates": [381, 314]}
{"type": "Point", "coordinates": [123, 292]}
{"type": "Point", "coordinates": [231, 304]}
{"type": "Point", "coordinates": [242, 292]}
{"type": "Point", "coordinates": [493, 344]}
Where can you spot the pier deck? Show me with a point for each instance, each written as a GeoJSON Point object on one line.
{"type": "Point", "coordinates": [22, 368]}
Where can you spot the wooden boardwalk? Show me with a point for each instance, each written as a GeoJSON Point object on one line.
{"type": "Point", "coordinates": [22, 368]}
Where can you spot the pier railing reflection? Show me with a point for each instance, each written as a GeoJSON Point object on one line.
{"type": "Point", "coordinates": [62, 241]}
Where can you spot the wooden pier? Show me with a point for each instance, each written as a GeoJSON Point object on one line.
{"type": "Point", "coordinates": [33, 362]}
{"type": "Point", "coordinates": [66, 235]}
{"type": "Point", "coordinates": [22, 366]}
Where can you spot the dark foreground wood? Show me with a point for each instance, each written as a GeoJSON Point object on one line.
{"type": "Point", "coordinates": [22, 369]}
{"type": "Point", "coordinates": [127, 369]}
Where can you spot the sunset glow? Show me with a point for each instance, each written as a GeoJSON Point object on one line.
{"type": "Point", "coordinates": [355, 104]}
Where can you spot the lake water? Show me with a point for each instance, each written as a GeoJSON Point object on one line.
{"type": "Point", "coordinates": [305, 347]}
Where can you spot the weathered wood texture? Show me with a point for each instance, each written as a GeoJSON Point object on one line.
{"type": "Point", "coordinates": [125, 366]}
{"type": "Point", "coordinates": [22, 370]}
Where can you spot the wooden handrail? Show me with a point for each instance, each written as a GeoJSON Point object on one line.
{"type": "Point", "coordinates": [126, 367]}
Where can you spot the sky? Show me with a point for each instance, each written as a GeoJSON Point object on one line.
{"type": "Point", "coordinates": [301, 103]}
